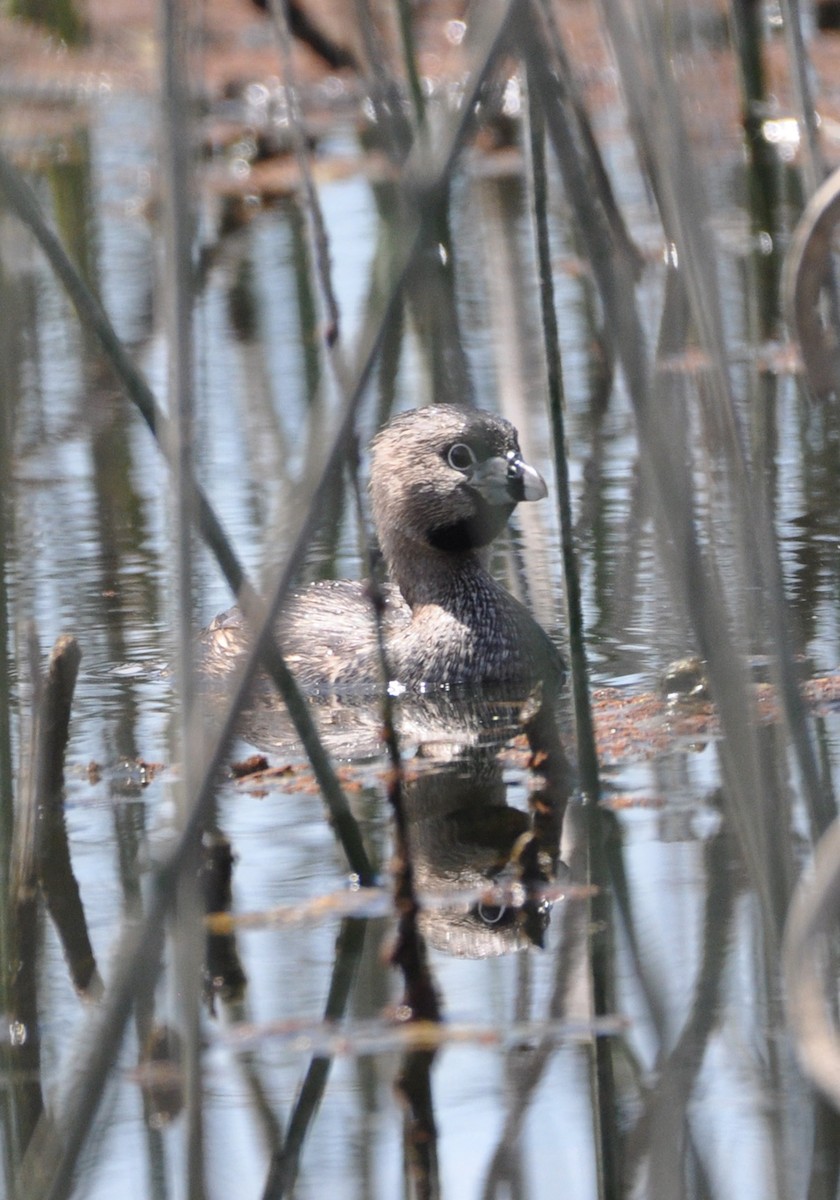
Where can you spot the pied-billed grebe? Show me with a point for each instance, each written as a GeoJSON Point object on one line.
{"type": "Point", "coordinates": [443, 483]}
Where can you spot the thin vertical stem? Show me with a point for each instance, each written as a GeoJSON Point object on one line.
{"type": "Point", "coordinates": [175, 155]}
{"type": "Point", "coordinates": [584, 730]}
{"type": "Point", "coordinates": [319, 239]}
{"type": "Point", "coordinates": [813, 163]}
{"type": "Point", "coordinates": [9, 389]}
{"type": "Point", "coordinates": [585, 733]}
{"type": "Point", "coordinates": [404, 12]}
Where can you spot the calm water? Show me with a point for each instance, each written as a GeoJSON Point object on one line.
{"type": "Point", "coordinates": [708, 1100]}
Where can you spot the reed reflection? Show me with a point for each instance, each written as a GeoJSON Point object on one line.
{"type": "Point", "coordinates": [481, 861]}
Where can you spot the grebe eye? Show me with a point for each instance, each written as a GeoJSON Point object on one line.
{"type": "Point", "coordinates": [461, 457]}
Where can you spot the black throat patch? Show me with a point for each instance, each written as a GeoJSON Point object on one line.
{"type": "Point", "coordinates": [473, 532]}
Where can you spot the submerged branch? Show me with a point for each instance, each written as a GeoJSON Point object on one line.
{"type": "Point", "coordinates": [41, 857]}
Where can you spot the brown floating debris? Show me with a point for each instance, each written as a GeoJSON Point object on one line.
{"type": "Point", "coordinates": [257, 763]}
